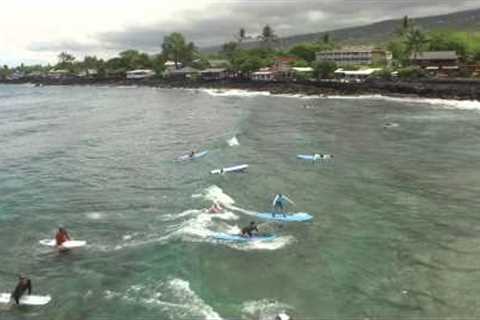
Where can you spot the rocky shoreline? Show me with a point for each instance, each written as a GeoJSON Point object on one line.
{"type": "Point", "coordinates": [441, 89]}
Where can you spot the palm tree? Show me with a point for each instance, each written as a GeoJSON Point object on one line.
{"type": "Point", "coordinates": [415, 42]}
{"type": "Point", "coordinates": [268, 36]}
{"type": "Point", "coordinates": [241, 35]}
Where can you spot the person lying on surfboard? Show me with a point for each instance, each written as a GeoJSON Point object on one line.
{"type": "Point", "coordinates": [279, 204]}
{"type": "Point", "coordinates": [23, 285]}
{"type": "Point", "coordinates": [61, 236]}
{"type": "Point", "coordinates": [249, 229]}
{"type": "Point", "coordinates": [192, 154]}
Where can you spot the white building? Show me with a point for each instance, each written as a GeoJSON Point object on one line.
{"type": "Point", "coordinates": [355, 56]}
{"type": "Point", "coordinates": [140, 74]}
{"type": "Point", "coordinates": [355, 75]}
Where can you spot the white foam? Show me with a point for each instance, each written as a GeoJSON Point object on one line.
{"type": "Point", "coordinates": [174, 297]}
{"type": "Point", "coordinates": [216, 194]}
{"type": "Point", "coordinates": [275, 244]}
{"type": "Point", "coordinates": [449, 104]}
{"type": "Point", "coordinates": [94, 215]}
{"type": "Point", "coordinates": [235, 93]}
{"type": "Point", "coordinates": [233, 142]}
{"type": "Point", "coordinates": [264, 309]}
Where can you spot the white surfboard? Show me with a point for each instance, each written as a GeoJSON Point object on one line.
{"type": "Point", "coordinates": [29, 300]}
{"type": "Point", "coordinates": [67, 244]}
{"type": "Point", "coordinates": [239, 168]}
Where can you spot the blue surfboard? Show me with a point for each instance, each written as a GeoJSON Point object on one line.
{"type": "Point", "coordinates": [297, 217]}
{"type": "Point", "coordinates": [195, 156]}
{"type": "Point", "coordinates": [238, 238]}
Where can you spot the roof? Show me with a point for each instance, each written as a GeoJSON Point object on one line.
{"type": "Point", "coordinates": [259, 73]}
{"type": "Point", "coordinates": [218, 62]}
{"type": "Point", "coordinates": [140, 71]}
{"type": "Point", "coordinates": [186, 70]}
{"type": "Point", "coordinates": [286, 59]}
{"type": "Point", "coordinates": [436, 55]}
{"type": "Point", "coordinates": [365, 72]}
{"type": "Point", "coordinates": [213, 70]}
{"type": "Point", "coordinates": [302, 69]}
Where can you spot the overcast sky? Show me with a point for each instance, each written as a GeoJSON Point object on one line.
{"type": "Point", "coordinates": [35, 31]}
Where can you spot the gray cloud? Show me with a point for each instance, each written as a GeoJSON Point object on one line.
{"type": "Point", "coordinates": [221, 20]}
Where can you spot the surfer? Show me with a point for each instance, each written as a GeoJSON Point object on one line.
{"type": "Point", "coordinates": [249, 229]}
{"type": "Point", "coordinates": [279, 204]}
{"type": "Point", "coordinates": [61, 236]}
{"type": "Point", "coordinates": [192, 154]}
{"type": "Point", "coordinates": [23, 285]}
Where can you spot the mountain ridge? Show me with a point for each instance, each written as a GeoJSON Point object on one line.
{"type": "Point", "coordinates": [378, 32]}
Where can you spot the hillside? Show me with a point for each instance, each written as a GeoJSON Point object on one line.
{"type": "Point", "coordinates": [381, 31]}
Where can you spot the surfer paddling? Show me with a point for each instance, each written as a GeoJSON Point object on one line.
{"type": "Point", "coordinates": [247, 231]}
{"type": "Point", "coordinates": [61, 237]}
{"type": "Point", "coordinates": [23, 285]}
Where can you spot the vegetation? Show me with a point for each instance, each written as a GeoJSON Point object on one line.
{"type": "Point", "coordinates": [176, 48]}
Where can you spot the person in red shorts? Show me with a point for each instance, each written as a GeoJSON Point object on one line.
{"type": "Point", "coordinates": [61, 236]}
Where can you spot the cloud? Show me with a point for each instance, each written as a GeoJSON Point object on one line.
{"type": "Point", "coordinates": [219, 21]}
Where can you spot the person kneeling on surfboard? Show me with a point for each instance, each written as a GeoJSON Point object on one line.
{"type": "Point", "coordinates": [249, 229]}
{"type": "Point", "coordinates": [23, 285]}
{"type": "Point", "coordinates": [61, 236]}
{"type": "Point", "coordinates": [192, 154]}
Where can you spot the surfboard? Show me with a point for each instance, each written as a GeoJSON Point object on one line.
{"type": "Point", "coordinates": [29, 300]}
{"type": "Point", "coordinates": [67, 244]}
{"type": "Point", "coordinates": [314, 157]}
{"type": "Point", "coordinates": [238, 238]}
{"type": "Point", "coordinates": [195, 156]}
{"type": "Point", "coordinates": [238, 168]}
{"type": "Point", "coordinates": [297, 217]}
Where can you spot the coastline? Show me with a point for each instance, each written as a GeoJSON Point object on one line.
{"type": "Point", "coordinates": [460, 90]}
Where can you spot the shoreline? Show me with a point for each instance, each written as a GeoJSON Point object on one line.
{"type": "Point", "coordinates": [460, 90]}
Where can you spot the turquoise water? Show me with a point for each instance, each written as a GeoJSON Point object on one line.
{"type": "Point", "coordinates": [396, 225]}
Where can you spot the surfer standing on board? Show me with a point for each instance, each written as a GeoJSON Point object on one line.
{"type": "Point", "coordinates": [61, 236]}
{"type": "Point", "coordinates": [279, 204]}
{"type": "Point", "coordinates": [23, 285]}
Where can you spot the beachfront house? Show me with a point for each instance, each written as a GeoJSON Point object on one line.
{"type": "Point", "coordinates": [437, 63]}
{"type": "Point", "coordinates": [186, 73]}
{"type": "Point", "coordinates": [264, 74]}
{"type": "Point", "coordinates": [211, 74]}
{"type": "Point", "coordinates": [88, 73]}
{"type": "Point", "coordinates": [302, 73]}
{"type": "Point", "coordinates": [140, 74]}
{"type": "Point", "coordinates": [356, 56]}
{"type": "Point", "coordinates": [355, 76]}
{"type": "Point", "coordinates": [58, 74]}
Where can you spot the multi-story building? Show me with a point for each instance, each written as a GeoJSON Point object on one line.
{"type": "Point", "coordinates": [355, 56]}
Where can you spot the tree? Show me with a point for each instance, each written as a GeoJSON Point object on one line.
{"type": "Point", "coordinates": [176, 48]}
{"type": "Point", "coordinates": [268, 36]}
{"type": "Point", "coordinates": [305, 51]}
{"type": "Point", "coordinates": [241, 35]}
{"type": "Point", "coordinates": [399, 51]}
{"type": "Point", "coordinates": [450, 41]}
{"type": "Point", "coordinates": [415, 42]}
{"type": "Point", "coordinates": [324, 70]}
{"type": "Point", "coordinates": [326, 38]}
{"type": "Point", "coordinates": [65, 61]}
{"type": "Point", "coordinates": [229, 49]}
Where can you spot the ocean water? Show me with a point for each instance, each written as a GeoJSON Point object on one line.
{"type": "Point", "coordinates": [396, 230]}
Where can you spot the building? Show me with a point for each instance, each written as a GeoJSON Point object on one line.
{"type": "Point", "coordinates": [213, 74]}
{"type": "Point", "coordinates": [140, 74]}
{"type": "Point", "coordinates": [88, 73]}
{"type": "Point", "coordinates": [355, 56]}
{"type": "Point", "coordinates": [58, 74]}
{"type": "Point", "coordinates": [355, 75]}
{"type": "Point", "coordinates": [184, 73]}
{"type": "Point", "coordinates": [264, 74]}
{"type": "Point", "coordinates": [435, 59]}
{"type": "Point", "coordinates": [218, 63]}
